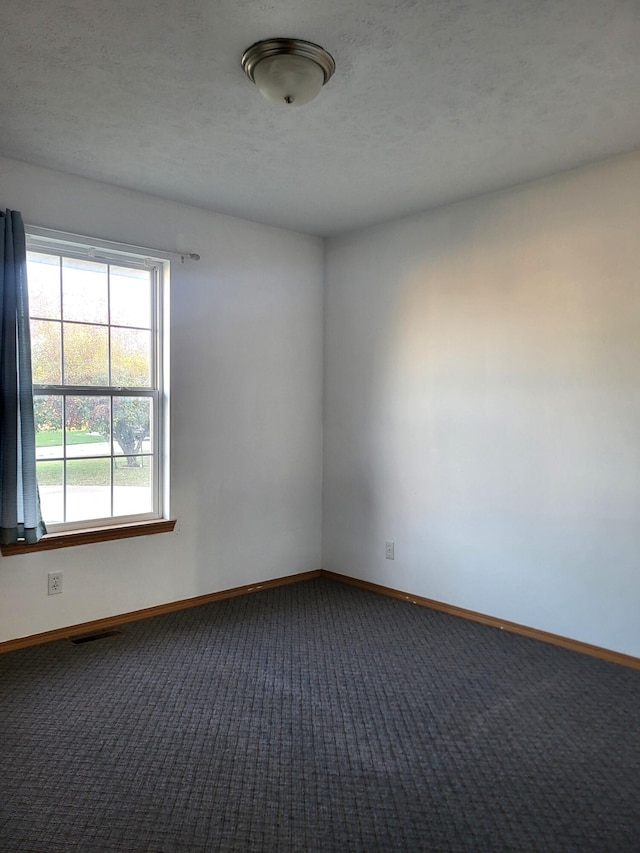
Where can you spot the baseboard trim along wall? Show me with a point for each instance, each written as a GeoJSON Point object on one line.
{"type": "Point", "coordinates": [134, 615]}
{"type": "Point", "coordinates": [512, 627]}
{"type": "Point", "coordinates": [171, 607]}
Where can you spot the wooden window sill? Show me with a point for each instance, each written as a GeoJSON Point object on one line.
{"type": "Point", "coordinates": [89, 535]}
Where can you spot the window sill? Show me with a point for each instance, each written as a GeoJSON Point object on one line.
{"type": "Point", "coordinates": [90, 535]}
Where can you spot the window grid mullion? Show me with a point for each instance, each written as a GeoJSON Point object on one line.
{"type": "Point", "coordinates": [62, 366]}
{"type": "Point", "coordinates": [64, 458]}
{"type": "Point", "coordinates": [155, 458]}
{"type": "Point", "coordinates": [110, 375]}
{"type": "Point", "coordinates": [94, 391]}
{"type": "Point", "coordinates": [110, 372]}
{"type": "Point", "coordinates": [111, 448]}
{"type": "Point", "coordinates": [157, 321]}
{"type": "Point", "coordinates": [155, 325]}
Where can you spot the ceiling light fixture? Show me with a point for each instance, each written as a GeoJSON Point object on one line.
{"type": "Point", "coordinates": [288, 71]}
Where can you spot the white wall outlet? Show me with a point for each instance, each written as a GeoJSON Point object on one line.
{"type": "Point", "coordinates": [389, 549]}
{"type": "Point", "coordinates": [55, 583]}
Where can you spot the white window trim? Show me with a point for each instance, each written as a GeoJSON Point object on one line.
{"type": "Point", "coordinates": [76, 245]}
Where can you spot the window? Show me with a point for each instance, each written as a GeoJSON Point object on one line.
{"type": "Point", "coordinates": [98, 349]}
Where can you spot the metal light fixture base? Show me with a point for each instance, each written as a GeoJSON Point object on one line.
{"type": "Point", "coordinates": [281, 47]}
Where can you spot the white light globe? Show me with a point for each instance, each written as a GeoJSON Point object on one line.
{"type": "Point", "coordinates": [288, 79]}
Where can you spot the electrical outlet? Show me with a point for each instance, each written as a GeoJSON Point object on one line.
{"type": "Point", "coordinates": [389, 549]}
{"type": "Point", "coordinates": [55, 583]}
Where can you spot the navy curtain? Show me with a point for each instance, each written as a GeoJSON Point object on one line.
{"type": "Point", "coordinates": [20, 516]}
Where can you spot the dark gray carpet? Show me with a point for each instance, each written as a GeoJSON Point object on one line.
{"type": "Point", "coordinates": [316, 717]}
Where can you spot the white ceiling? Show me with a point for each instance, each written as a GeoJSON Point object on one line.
{"type": "Point", "coordinates": [432, 100]}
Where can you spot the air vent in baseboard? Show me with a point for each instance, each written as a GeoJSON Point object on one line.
{"type": "Point", "coordinates": [89, 638]}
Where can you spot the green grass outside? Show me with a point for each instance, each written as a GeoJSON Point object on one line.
{"type": "Point", "coordinates": [93, 472]}
{"type": "Point", "coordinates": [53, 437]}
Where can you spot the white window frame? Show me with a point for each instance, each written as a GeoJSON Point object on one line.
{"type": "Point", "coordinates": [80, 247]}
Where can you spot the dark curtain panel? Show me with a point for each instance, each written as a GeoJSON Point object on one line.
{"type": "Point", "coordinates": [20, 516]}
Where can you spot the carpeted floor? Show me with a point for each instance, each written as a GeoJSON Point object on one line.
{"type": "Point", "coordinates": [316, 717]}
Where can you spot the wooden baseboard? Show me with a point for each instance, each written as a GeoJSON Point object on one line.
{"type": "Point", "coordinates": [452, 610]}
{"type": "Point", "coordinates": [147, 612]}
{"type": "Point", "coordinates": [512, 627]}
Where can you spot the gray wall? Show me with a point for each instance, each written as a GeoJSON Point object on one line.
{"type": "Point", "coordinates": [246, 388]}
{"type": "Point", "coordinates": [482, 405]}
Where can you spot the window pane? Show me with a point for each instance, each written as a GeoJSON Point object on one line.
{"type": "Point", "coordinates": [51, 487]}
{"type": "Point", "coordinates": [131, 428]}
{"type": "Point", "coordinates": [47, 410]}
{"type": "Point", "coordinates": [84, 291]}
{"type": "Point", "coordinates": [94, 338]}
{"type": "Point", "coordinates": [45, 352]}
{"type": "Point", "coordinates": [88, 489]}
{"type": "Point", "coordinates": [130, 297]}
{"type": "Point", "coordinates": [132, 487]}
{"type": "Point", "coordinates": [87, 426]}
{"type": "Point", "coordinates": [130, 357]}
{"type": "Point", "coordinates": [43, 275]}
{"type": "Point", "coordinates": [86, 354]}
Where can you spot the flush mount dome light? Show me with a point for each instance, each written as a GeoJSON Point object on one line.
{"type": "Point", "coordinates": [288, 71]}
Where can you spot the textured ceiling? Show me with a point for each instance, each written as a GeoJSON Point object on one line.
{"type": "Point", "coordinates": [432, 100]}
